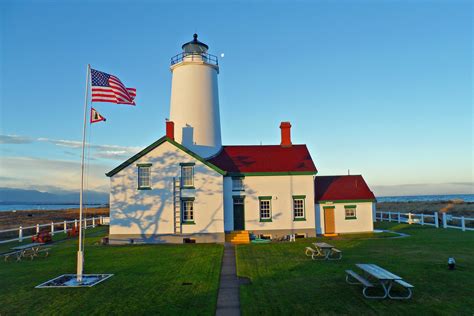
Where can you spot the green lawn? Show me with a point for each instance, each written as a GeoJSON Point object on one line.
{"type": "Point", "coordinates": [285, 281]}
{"type": "Point", "coordinates": [148, 279]}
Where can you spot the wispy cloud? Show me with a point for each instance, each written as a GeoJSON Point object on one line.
{"type": "Point", "coordinates": [114, 152]}
{"type": "Point", "coordinates": [424, 189]}
{"type": "Point", "coordinates": [15, 139]}
{"type": "Point", "coordinates": [22, 172]}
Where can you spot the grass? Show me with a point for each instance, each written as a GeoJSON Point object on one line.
{"type": "Point", "coordinates": [285, 281]}
{"type": "Point", "coordinates": [148, 279]}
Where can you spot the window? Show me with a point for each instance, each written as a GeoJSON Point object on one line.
{"type": "Point", "coordinates": [265, 208]}
{"type": "Point", "coordinates": [237, 184]}
{"type": "Point", "coordinates": [298, 207]}
{"type": "Point", "coordinates": [350, 211]}
{"type": "Point", "coordinates": [187, 175]}
{"type": "Point", "coordinates": [144, 176]}
{"type": "Point", "coordinates": [188, 211]}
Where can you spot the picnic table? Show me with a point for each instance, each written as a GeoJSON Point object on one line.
{"type": "Point", "coordinates": [323, 251]}
{"type": "Point", "coordinates": [384, 277]}
{"type": "Point", "coordinates": [28, 250]}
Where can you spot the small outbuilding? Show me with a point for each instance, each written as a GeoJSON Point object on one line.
{"type": "Point", "coordinates": [344, 204]}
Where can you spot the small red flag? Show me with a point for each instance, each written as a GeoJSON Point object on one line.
{"type": "Point", "coordinates": [96, 117]}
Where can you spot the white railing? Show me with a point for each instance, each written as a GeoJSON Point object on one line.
{"type": "Point", "coordinates": [52, 228]}
{"type": "Point", "coordinates": [446, 221]}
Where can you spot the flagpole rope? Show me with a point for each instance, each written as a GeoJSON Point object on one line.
{"type": "Point", "coordinates": [87, 166]}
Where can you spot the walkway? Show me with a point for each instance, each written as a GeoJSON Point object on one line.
{"type": "Point", "coordinates": [228, 297]}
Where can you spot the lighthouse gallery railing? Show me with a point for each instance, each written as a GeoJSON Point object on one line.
{"type": "Point", "coordinates": [208, 58]}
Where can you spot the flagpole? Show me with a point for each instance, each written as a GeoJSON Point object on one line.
{"type": "Point", "coordinates": [80, 253]}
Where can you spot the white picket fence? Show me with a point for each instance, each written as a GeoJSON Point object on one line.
{"type": "Point", "coordinates": [448, 221]}
{"type": "Point", "coordinates": [53, 228]}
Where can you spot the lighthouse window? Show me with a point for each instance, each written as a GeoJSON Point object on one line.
{"type": "Point", "coordinates": [265, 208]}
{"type": "Point", "coordinates": [188, 210]}
{"type": "Point", "coordinates": [298, 208]}
{"type": "Point", "coordinates": [144, 177]}
{"type": "Point", "coordinates": [187, 175]}
{"type": "Point", "coordinates": [237, 184]}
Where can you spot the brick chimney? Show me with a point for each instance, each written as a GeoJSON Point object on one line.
{"type": "Point", "coordinates": [285, 134]}
{"type": "Point", "coordinates": [170, 129]}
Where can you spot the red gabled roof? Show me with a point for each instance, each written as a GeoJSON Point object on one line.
{"type": "Point", "coordinates": [333, 188]}
{"type": "Point", "coordinates": [264, 159]}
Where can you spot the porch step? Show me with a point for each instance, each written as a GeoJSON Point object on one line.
{"type": "Point", "coordinates": [238, 237]}
{"type": "Point", "coordinates": [330, 235]}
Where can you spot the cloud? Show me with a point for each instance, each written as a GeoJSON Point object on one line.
{"type": "Point", "coordinates": [15, 139]}
{"type": "Point", "coordinates": [424, 189]}
{"type": "Point", "coordinates": [113, 152]}
{"type": "Point", "coordinates": [21, 172]}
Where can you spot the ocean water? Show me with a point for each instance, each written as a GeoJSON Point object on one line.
{"type": "Point", "coordinates": [427, 198]}
{"type": "Point", "coordinates": [412, 198]}
{"type": "Point", "coordinates": [49, 207]}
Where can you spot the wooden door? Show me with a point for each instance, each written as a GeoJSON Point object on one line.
{"type": "Point", "coordinates": [239, 214]}
{"type": "Point", "coordinates": [329, 221]}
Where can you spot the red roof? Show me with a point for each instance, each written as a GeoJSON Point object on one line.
{"type": "Point", "coordinates": [333, 188]}
{"type": "Point", "coordinates": [264, 158]}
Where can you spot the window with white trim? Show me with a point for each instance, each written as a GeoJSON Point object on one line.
{"type": "Point", "coordinates": [298, 208]}
{"type": "Point", "coordinates": [187, 176]}
{"type": "Point", "coordinates": [265, 209]}
{"type": "Point", "coordinates": [237, 184]}
{"type": "Point", "coordinates": [188, 210]}
{"type": "Point", "coordinates": [350, 211]}
{"type": "Point", "coordinates": [144, 173]}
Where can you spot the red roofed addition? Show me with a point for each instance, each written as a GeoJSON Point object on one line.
{"type": "Point", "coordinates": [333, 188]}
{"type": "Point", "coordinates": [265, 159]}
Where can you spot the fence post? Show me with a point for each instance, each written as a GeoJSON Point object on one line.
{"type": "Point", "coordinates": [422, 219]}
{"type": "Point", "coordinates": [37, 228]}
{"type": "Point", "coordinates": [52, 229]}
{"type": "Point", "coordinates": [409, 218]}
{"type": "Point", "coordinates": [20, 234]}
{"type": "Point", "coordinates": [463, 224]}
{"type": "Point", "coordinates": [389, 216]}
{"type": "Point", "coordinates": [93, 222]}
{"type": "Point", "coordinates": [101, 219]}
{"type": "Point", "coordinates": [436, 219]}
{"type": "Point", "coordinates": [398, 217]}
{"type": "Point", "coordinates": [445, 222]}
{"type": "Point", "coordinates": [85, 223]}
{"type": "Point", "coordinates": [65, 227]}
{"type": "Point", "coordinates": [75, 223]}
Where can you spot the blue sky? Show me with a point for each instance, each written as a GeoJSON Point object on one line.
{"type": "Point", "coordinates": [383, 88]}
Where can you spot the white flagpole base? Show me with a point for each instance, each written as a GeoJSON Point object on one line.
{"type": "Point", "coordinates": [80, 262]}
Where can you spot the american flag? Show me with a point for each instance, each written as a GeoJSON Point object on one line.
{"type": "Point", "coordinates": [108, 88]}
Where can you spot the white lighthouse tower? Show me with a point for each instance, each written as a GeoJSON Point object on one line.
{"type": "Point", "coordinates": [194, 105]}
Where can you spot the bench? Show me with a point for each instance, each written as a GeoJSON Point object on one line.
{"type": "Point", "coordinates": [406, 286]}
{"type": "Point", "coordinates": [17, 254]}
{"type": "Point", "coordinates": [336, 254]}
{"type": "Point", "coordinates": [361, 280]}
{"type": "Point", "coordinates": [314, 254]}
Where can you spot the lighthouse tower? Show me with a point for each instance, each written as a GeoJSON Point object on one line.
{"type": "Point", "coordinates": [194, 105]}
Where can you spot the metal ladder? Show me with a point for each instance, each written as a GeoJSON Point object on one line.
{"type": "Point", "coordinates": [177, 204]}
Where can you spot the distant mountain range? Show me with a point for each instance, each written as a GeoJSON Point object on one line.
{"type": "Point", "coordinates": [22, 196]}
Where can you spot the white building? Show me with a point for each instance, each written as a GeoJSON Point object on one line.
{"type": "Point", "coordinates": [188, 187]}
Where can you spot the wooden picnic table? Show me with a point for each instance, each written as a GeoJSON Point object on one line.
{"type": "Point", "coordinates": [31, 249]}
{"type": "Point", "coordinates": [325, 250]}
{"type": "Point", "coordinates": [384, 277]}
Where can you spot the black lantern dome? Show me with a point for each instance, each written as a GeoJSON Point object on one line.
{"type": "Point", "coordinates": [195, 46]}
